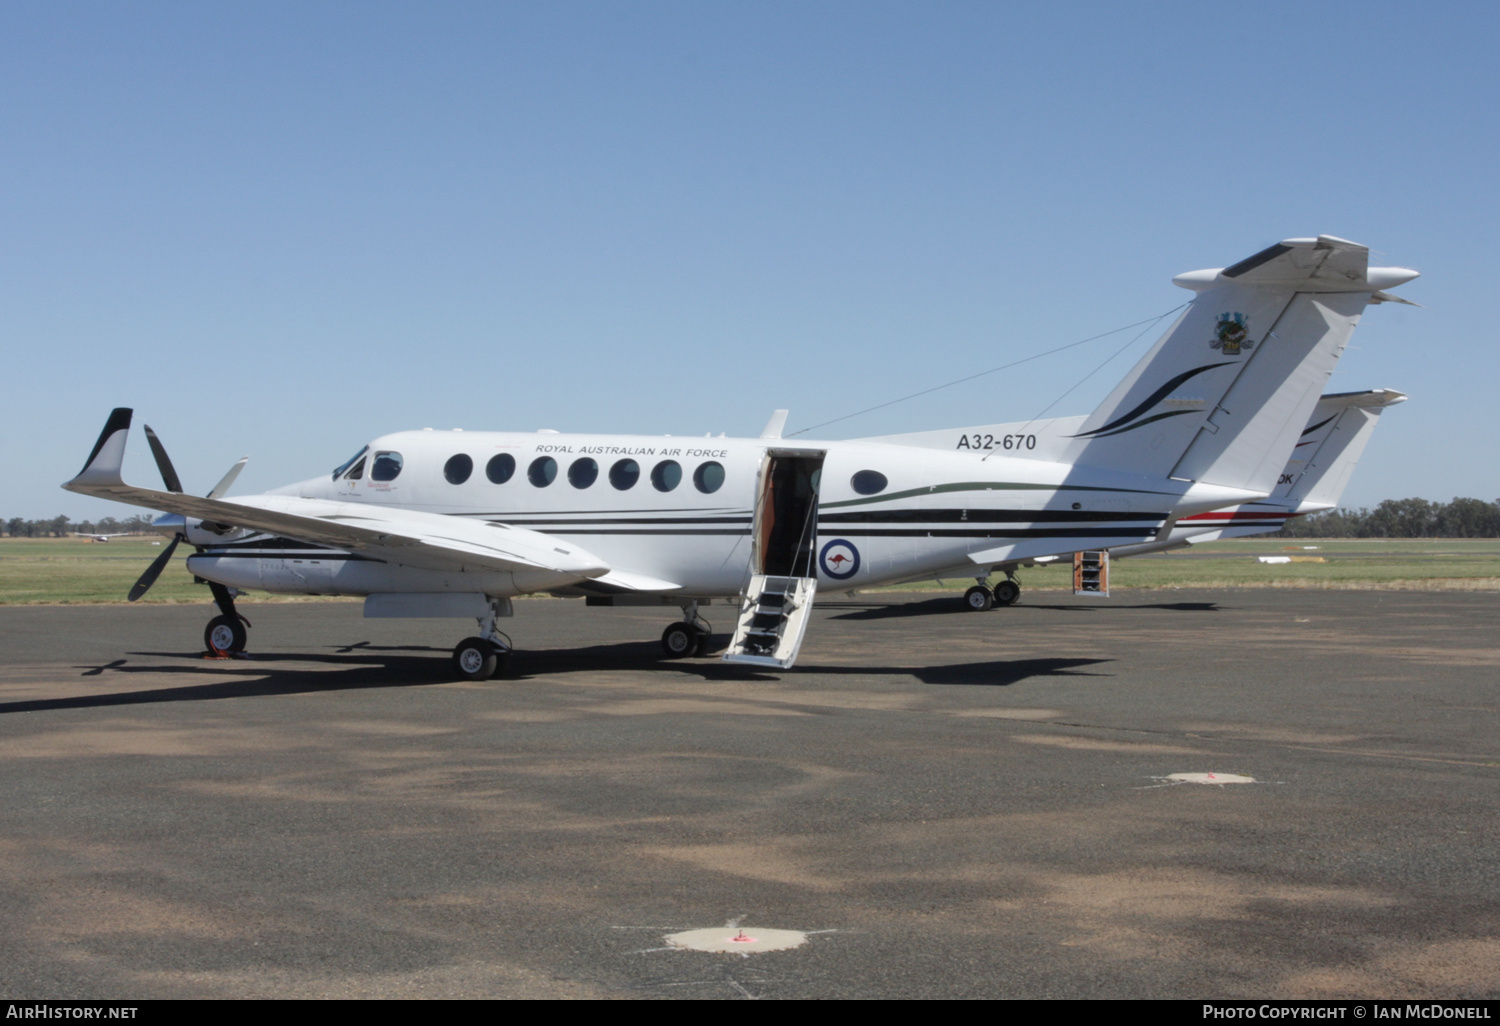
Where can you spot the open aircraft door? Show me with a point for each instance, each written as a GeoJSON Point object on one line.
{"type": "Point", "coordinates": [775, 605]}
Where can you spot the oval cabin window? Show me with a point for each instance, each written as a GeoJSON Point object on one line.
{"type": "Point", "coordinates": [868, 482]}
{"type": "Point", "coordinates": [458, 468]}
{"type": "Point", "coordinates": [542, 472]}
{"type": "Point", "coordinates": [500, 468]}
{"type": "Point", "coordinates": [666, 475]}
{"type": "Point", "coordinates": [709, 477]}
{"type": "Point", "coordinates": [583, 473]}
{"type": "Point", "coordinates": [624, 474]}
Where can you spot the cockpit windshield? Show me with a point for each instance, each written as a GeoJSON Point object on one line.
{"type": "Point", "coordinates": [349, 462]}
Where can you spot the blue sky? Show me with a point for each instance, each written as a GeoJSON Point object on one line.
{"type": "Point", "coordinates": [281, 229]}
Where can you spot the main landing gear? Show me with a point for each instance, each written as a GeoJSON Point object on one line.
{"type": "Point", "coordinates": [980, 597]}
{"type": "Point", "coordinates": [487, 655]}
{"type": "Point", "coordinates": [225, 634]}
{"type": "Point", "coordinates": [687, 637]}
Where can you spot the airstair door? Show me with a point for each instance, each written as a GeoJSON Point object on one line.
{"type": "Point", "coordinates": [775, 605]}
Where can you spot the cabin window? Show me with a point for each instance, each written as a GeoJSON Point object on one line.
{"type": "Point", "coordinates": [500, 468]}
{"type": "Point", "coordinates": [387, 466]}
{"type": "Point", "coordinates": [583, 473]}
{"type": "Point", "coordinates": [349, 462]}
{"type": "Point", "coordinates": [666, 475]}
{"type": "Point", "coordinates": [458, 468]}
{"type": "Point", "coordinates": [542, 472]}
{"type": "Point", "coordinates": [868, 482]}
{"type": "Point", "coordinates": [709, 477]}
{"type": "Point", "coordinates": [624, 474]}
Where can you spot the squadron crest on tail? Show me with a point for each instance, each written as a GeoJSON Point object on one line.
{"type": "Point", "coordinates": [1232, 334]}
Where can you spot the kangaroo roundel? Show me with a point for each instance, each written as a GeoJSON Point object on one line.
{"type": "Point", "coordinates": [839, 560]}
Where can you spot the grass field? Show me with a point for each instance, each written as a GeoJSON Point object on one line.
{"type": "Point", "coordinates": [76, 570]}
{"type": "Point", "coordinates": [1401, 564]}
{"type": "Point", "coordinates": [61, 571]}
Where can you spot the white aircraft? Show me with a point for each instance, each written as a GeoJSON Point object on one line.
{"type": "Point", "coordinates": [450, 523]}
{"type": "Point", "coordinates": [1322, 462]}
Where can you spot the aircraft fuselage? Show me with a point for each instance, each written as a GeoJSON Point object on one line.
{"type": "Point", "coordinates": [680, 510]}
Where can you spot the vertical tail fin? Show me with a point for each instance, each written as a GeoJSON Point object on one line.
{"type": "Point", "coordinates": [1324, 458]}
{"type": "Point", "coordinates": [1223, 396]}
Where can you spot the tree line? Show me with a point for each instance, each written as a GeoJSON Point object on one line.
{"type": "Point", "coordinates": [62, 527]}
{"type": "Point", "coordinates": [1402, 518]}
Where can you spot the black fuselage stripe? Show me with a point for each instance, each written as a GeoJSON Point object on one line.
{"type": "Point", "coordinates": [984, 516]}
{"type": "Point", "coordinates": [1021, 532]}
{"type": "Point", "coordinates": [291, 556]}
{"type": "Point", "coordinates": [519, 522]}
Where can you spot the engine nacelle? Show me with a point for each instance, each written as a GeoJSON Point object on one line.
{"type": "Point", "coordinates": [197, 532]}
{"type": "Point", "coordinates": [206, 532]}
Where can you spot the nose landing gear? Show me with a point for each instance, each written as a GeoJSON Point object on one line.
{"type": "Point", "coordinates": [225, 634]}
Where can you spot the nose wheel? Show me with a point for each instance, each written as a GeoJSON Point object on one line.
{"type": "Point", "coordinates": [225, 635]}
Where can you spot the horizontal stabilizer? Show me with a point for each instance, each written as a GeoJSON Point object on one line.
{"type": "Point", "coordinates": [1324, 264]}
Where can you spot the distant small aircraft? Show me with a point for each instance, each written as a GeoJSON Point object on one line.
{"type": "Point", "coordinates": [454, 524]}
{"type": "Point", "coordinates": [100, 537]}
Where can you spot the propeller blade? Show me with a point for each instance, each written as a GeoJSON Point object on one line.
{"type": "Point", "coordinates": [168, 474]}
{"type": "Point", "coordinates": [153, 571]}
{"type": "Point", "coordinates": [228, 479]}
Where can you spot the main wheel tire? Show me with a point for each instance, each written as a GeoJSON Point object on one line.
{"type": "Point", "coordinates": [679, 640]}
{"type": "Point", "coordinates": [475, 659]}
{"type": "Point", "coordinates": [1006, 593]}
{"type": "Point", "coordinates": [704, 643]}
{"type": "Point", "coordinates": [978, 598]}
{"type": "Point", "coordinates": [225, 635]}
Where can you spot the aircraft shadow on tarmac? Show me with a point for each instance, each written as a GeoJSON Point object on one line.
{"type": "Point", "coordinates": [947, 606]}
{"type": "Point", "coordinates": [363, 666]}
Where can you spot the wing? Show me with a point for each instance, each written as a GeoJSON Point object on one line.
{"type": "Point", "coordinates": [431, 541]}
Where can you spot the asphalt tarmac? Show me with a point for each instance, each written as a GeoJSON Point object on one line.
{"type": "Point", "coordinates": [947, 804]}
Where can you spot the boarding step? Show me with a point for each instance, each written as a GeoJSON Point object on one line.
{"type": "Point", "coordinates": [772, 621]}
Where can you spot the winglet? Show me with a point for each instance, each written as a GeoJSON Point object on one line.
{"type": "Point", "coordinates": [103, 465]}
{"type": "Point", "coordinates": [775, 424]}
